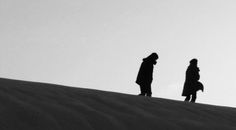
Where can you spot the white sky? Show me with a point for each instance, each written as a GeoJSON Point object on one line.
{"type": "Point", "coordinates": [100, 44]}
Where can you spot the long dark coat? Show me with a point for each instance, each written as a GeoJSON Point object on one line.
{"type": "Point", "coordinates": [145, 72]}
{"type": "Point", "coordinates": [192, 85]}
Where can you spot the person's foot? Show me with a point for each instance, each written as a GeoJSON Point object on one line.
{"type": "Point", "coordinates": [149, 95]}
{"type": "Point", "coordinates": [141, 94]}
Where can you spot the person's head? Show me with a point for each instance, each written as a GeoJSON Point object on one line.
{"type": "Point", "coordinates": [193, 62]}
{"type": "Point", "coordinates": [153, 57]}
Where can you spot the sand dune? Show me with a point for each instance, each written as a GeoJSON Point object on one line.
{"type": "Point", "coordinates": [39, 106]}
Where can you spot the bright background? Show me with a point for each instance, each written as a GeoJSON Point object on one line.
{"type": "Point", "coordinates": [100, 44]}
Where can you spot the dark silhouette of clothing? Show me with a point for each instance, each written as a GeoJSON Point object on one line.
{"type": "Point", "coordinates": [192, 84]}
{"type": "Point", "coordinates": [145, 75]}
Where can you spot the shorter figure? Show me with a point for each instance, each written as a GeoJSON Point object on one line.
{"type": "Point", "coordinates": [192, 84]}
{"type": "Point", "coordinates": [144, 78]}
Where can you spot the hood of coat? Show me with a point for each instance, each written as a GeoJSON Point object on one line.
{"type": "Point", "coordinates": [151, 61]}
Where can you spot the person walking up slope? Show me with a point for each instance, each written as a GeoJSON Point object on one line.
{"type": "Point", "coordinates": [192, 84]}
{"type": "Point", "coordinates": [145, 74]}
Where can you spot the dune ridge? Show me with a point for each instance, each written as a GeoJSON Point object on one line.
{"type": "Point", "coordinates": [40, 106]}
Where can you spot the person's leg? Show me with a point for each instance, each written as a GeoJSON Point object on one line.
{"type": "Point", "coordinates": [149, 90]}
{"type": "Point", "coordinates": [187, 98]}
{"type": "Point", "coordinates": [142, 89]}
{"type": "Point", "coordinates": [194, 97]}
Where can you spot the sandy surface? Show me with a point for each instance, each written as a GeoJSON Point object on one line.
{"type": "Point", "coordinates": [39, 106]}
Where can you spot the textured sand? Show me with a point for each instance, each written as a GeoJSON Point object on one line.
{"type": "Point", "coordinates": [39, 106]}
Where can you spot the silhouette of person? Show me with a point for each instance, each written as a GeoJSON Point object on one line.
{"type": "Point", "coordinates": [145, 74]}
{"type": "Point", "coordinates": [192, 84]}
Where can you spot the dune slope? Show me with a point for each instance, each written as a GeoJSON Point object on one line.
{"type": "Point", "coordinates": [39, 106]}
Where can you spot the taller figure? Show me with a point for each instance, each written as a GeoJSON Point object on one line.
{"type": "Point", "coordinates": [144, 78]}
{"type": "Point", "coordinates": [192, 84]}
